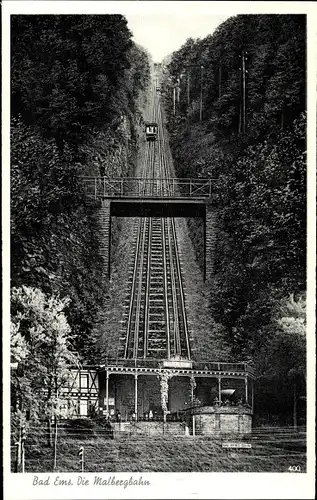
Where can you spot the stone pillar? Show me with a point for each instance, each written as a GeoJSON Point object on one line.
{"type": "Point", "coordinates": [104, 219]}
{"type": "Point", "coordinates": [210, 240]}
{"type": "Point", "coordinates": [193, 386]}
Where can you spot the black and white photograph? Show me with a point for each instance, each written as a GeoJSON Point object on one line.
{"type": "Point", "coordinates": [158, 289]}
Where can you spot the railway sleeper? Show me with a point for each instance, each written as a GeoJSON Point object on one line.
{"type": "Point", "coordinates": [156, 349]}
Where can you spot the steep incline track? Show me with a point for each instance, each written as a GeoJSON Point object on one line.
{"type": "Point", "coordinates": [155, 324]}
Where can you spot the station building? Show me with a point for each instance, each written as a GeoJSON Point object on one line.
{"type": "Point", "coordinates": [209, 397]}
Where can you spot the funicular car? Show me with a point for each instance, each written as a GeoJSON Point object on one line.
{"type": "Point", "coordinates": [151, 131]}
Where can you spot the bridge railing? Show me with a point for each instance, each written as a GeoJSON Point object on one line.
{"type": "Point", "coordinates": [136, 187]}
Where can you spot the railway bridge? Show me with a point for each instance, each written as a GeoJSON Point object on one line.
{"type": "Point", "coordinates": [154, 197]}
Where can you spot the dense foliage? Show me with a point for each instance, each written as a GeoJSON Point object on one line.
{"type": "Point", "coordinates": [259, 173]}
{"type": "Point", "coordinates": [66, 71]}
{"type": "Point", "coordinates": [41, 346]}
{"type": "Point", "coordinates": [76, 81]}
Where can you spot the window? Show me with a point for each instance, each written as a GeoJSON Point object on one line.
{"type": "Point", "coordinates": [83, 381]}
{"type": "Point", "coordinates": [83, 408]}
{"type": "Point", "coordinates": [217, 421]}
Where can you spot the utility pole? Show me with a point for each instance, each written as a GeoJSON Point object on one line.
{"type": "Point", "coordinates": [242, 120]}
{"type": "Point", "coordinates": [55, 445]}
{"type": "Point", "coordinates": [19, 451]}
{"type": "Point", "coordinates": [82, 459]}
{"type": "Point", "coordinates": [201, 93]}
{"type": "Point", "coordinates": [18, 456]}
{"type": "Point", "coordinates": [219, 83]}
{"type": "Point", "coordinates": [23, 436]}
{"type": "Point", "coordinates": [188, 88]}
{"type": "Point", "coordinates": [243, 89]}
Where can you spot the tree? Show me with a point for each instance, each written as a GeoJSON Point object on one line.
{"type": "Point", "coordinates": [54, 236]}
{"type": "Point", "coordinates": [288, 347]}
{"type": "Point", "coordinates": [76, 81]}
{"type": "Point", "coordinates": [41, 344]}
{"type": "Point", "coordinates": [65, 92]}
{"type": "Point", "coordinates": [258, 177]}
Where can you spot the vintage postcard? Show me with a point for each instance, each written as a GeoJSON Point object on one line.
{"type": "Point", "coordinates": [159, 183]}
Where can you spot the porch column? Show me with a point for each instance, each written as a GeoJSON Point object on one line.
{"type": "Point", "coordinates": [107, 392]}
{"type": "Point", "coordinates": [246, 389]}
{"type": "Point", "coordinates": [191, 389]}
{"type": "Point", "coordinates": [252, 394]}
{"type": "Point", "coordinates": [192, 385]}
{"type": "Point", "coordinates": [136, 395]}
{"type": "Point", "coordinates": [219, 389]}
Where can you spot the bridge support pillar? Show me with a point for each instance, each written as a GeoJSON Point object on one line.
{"type": "Point", "coordinates": [210, 240]}
{"type": "Point", "coordinates": [104, 220]}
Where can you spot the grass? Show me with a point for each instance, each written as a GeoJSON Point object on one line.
{"type": "Point", "coordinates": [169, 454]}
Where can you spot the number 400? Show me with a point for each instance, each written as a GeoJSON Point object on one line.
{"type": "Point", "coordinates": [294, 468]}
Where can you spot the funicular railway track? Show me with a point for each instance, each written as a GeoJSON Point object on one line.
{"type": "Point", "coordinates": [156, 323]}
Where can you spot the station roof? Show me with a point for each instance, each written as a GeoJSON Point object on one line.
{"type": "Point", "coordinates": [196, 369]}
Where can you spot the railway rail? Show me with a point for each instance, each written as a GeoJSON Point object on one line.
{"type": "Point", "coordinates": [155, 325]}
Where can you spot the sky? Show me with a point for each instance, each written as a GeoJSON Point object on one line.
{"type": "Point", "coordinates": [162, 34]}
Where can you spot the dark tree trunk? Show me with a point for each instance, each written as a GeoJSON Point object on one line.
{"type": "Point", "coordinates": [60, 140]}
{"type": "Point", "coordinates": [55, 445]}
{"type": "Point", "coordinates": [49, 432]}
{"type": "Point", "coordinates": [294, 405]}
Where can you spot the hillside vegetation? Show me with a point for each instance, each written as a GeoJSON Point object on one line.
{"type": "Point", "coordinates": [77, 85]}
{"type": "Point", "coordinates": [258, 166]}
{"type": "Point", "coordinates": [270, 452]}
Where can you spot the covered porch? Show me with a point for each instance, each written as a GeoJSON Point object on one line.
{"type": "Point", "coordinates": [131, 391]}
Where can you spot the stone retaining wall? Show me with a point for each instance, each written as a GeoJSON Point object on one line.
{"type": "Point", "coordinates": [210, 242]}
{"type": "Point", "coordinates": [104, 221]}
{"type": "Point", "coordinates": [150, 428]}
{"type": "Point", "coordinates": [223, 420]}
